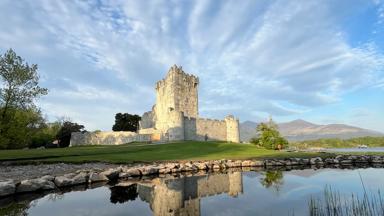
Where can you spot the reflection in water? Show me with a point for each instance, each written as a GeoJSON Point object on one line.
{"type": "Point", "coordinates": [273, 179]}
{"type": "Point", "coordinates": [179, 196]}
{"type": "Point", "coordinates": [122, 194]}
{"type": "Point", "coordinates": [232, 193]}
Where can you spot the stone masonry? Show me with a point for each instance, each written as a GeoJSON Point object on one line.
{"type": "Point", "coordinates": [174, 117]}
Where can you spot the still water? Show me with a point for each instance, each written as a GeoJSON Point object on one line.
{"type": "Point", "coordinates": [232, 193]}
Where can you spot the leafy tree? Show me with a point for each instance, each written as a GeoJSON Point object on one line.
{"type": "Point", "coordinates": [272, 178]}
{"type": "Point", "coordinates": [46, 135]}
{"type": "Point", "coordinates": [64, 134]}
{"type": "Point", "coordinates": [126, 122]}
{"type": "Point", "coordinates": [19, 88]}
{"type": "Point", "coordinates": [25, 124]}
{"type": "Point", "coordinates": [269, 137]}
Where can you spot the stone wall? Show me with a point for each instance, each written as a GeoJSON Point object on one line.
{"type": "Point", "coordinates": [107, 138]}
{"type": "Point", "coordinates": [147, 120]}
{"type": "Point", "coordinates": [213, 129]}
{"type": "Point", "coordinates": [233, 129]}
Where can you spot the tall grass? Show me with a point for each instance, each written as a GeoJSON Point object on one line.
{"type": "Point", "coordinates": [335, 204]}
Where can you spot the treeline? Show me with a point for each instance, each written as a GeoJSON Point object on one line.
{"type": "Point", "coordinates": [339, 143]}
{"type": "Point", "coordinates": [22, 124]}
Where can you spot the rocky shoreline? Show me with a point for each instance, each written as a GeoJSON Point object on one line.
{"type": "Point", "coordinates": [88, 174]}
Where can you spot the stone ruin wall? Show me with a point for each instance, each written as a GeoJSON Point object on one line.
{"type": "Point", "coordinates": [214, 129]}
{"type": "Point", "coordinates": [107, 138]}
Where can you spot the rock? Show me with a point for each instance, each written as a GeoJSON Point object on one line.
{"type": "Point", "coordinates": [201, 166]}
{"type": "Point", "coordinates": [257, 163]}
{"type": "Point", "coordinates": [377, 159]}
{"type": "Point", "coordinates": [216, 166]}
{"type": "Point", "coordinates": [130, 172]}
{"type": "Point", "coordinates": [246, 163]}
{"type": "Point", "coordinates": [7, 188]}
{"type": "Point", "coordinates": [48, 178]}
{"type": "Point", "coordinates": [71, 179]}
{"type": "Point", "coordinates": [165, 170]}
{"type": "Point", "coordinates": [149, 170]}
{"type": "Point", "coordinates": [80, 178]}
{"type": "Point", "coordinates": [346, 161]}
{"type": "Point", "coordinates": [35, 185]}
{"type": "Point", "coordinates": [304, 161]}
{"type": "Point", "coordinates": [112, 174]}
{"type": "Point", "coordinates": [63, 181]}
{"type": "Point", "coordinates": [97, 177]}
{"type": "Point", "coordinates": [316, 160]}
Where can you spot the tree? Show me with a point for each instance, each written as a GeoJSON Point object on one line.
{"type": "Point", "coordinates": [269, 137]}
{"type": "Point", "coordinates": [64, 134]}
{"type": "Point", "coordinates": [25, 125]}
{"type": "Point", "coordinates": [126, 122]}
{"type": "Point", "coordinates": [19, 88]}
{"type": "Point", "coordinates": [46, 135]}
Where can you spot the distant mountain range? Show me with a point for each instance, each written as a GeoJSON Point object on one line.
{"type": "Point", "coordinates": [299, 130]}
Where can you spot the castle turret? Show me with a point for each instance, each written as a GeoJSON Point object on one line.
{"type": "Point", "coordinates": [233, 132]}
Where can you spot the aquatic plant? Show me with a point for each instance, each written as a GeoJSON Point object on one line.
{"type": "Point", "coordinates": [335, 204]}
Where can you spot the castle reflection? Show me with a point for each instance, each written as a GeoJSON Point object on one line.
{"type": "Point", "coordinates": [178, 196]}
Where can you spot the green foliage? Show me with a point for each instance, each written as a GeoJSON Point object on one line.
{"type": "Point", "coordinates": [272, 178]}
{"type": "Point", "coordinates": [23, 125]}
{"type": "Point", "coordinates": [46, 135]}
{"type": "Point", "coordinates": [268, 136]}
{"type": "Point", "coordinates": [335, 204]}
{"type": "Point", "coordinates": [19, 118]}
{"type": "Point", "coordinates": [64, 134]}
{"type": "Point", "coordinates": [340, 143]}
{"type": "Point", "coordinates": [126, 122]}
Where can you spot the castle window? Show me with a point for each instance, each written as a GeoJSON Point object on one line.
{"type": "Point", "coordinates": [171, 108]}
{"type": "Point", "coordinates": [194, 85]}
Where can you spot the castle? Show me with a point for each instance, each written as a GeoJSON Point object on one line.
{"type": "Point", "coordinates": [174, 117]}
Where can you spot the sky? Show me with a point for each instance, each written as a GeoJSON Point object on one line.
{"type": "Point", "coordinates": [321, 61]}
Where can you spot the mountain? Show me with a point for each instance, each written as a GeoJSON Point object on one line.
{"type": "Point", "coordinates": [298, 130]}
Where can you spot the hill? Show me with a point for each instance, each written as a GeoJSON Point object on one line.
{"type": "Point", "coordinates": [299, 130]}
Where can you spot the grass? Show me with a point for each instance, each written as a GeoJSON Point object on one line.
{"type": "Point", "coordinates": [188, 150]}
{"type": "Point", "coordinates": [334, 204]}
{"type": "Point", "coordinates": [339, 143]}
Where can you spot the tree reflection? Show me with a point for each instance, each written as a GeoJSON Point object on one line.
{"type": "Point", "coordinates": [121, 194]}
{"type": "Point", "coordinates": [272, 179]}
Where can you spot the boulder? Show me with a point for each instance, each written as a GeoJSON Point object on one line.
{"type": "Point", "coordinates": [201, 166]}
{"type": "Point", "coordinates": [316, 160]}
{"type": "Point", "coordinates": [112, 174]}
{"type": "Point", "coordinates": [35, 185]}
{"type": "Point", "coordinates": [80, 178]}
{"type": "Point", "coordinates": [63, 181]}
{"type": "Point", "coordinates": [97, 177]}
{"type": "Point", "coordinates": [130, 172]}
{"type": "Point", "coordinates": [216, 166]}
{"type": "Point", "coordinates": [71, 179]}
{"type": "Point", "coordinates": [257, 163]}
{"type": "Point", "coordinates": [246, 163]}
{"type": "Point", "coordinates": [149, 170]}
{"type": "Point", "coordinates": [7, 188]}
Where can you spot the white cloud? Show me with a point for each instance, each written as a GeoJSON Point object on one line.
{"type": "Point", "coordinates": [272, 57]}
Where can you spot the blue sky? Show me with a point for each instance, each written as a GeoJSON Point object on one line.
{"type": "Point", "coordinates": [322, 61]}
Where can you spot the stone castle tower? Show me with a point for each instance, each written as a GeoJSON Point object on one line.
{"type": "Point", "coordinates": [175, 116]}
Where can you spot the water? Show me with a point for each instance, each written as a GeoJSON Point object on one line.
{"type": "Point", "coordinates": [231, 193]}
{"type": "Point", "coordinates": [371, 149]}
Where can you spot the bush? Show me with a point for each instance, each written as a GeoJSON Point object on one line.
{"type": "Point", "coordinates": [269, 137]}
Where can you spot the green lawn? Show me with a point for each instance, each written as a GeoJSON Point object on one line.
{"type": "Point", "coordinates": [190, 150]}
